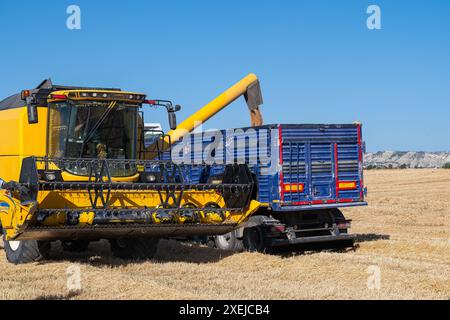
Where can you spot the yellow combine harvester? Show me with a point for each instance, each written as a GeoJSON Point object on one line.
{"type": "Point", "coordinates": [73, 168]}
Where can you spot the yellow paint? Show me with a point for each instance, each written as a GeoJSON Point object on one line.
{"type": "Point", "coordinates": [20, 140]}
{"type": "Point", "coordinates": [16, 216]}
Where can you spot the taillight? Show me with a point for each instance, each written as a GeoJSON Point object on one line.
{"type": "Point", "coordinates": [347, 185]}
{"type": "Point", "coordinates": [297, 187]}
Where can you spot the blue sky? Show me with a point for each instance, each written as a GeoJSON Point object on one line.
{"type": "Point", "coordinates": [317, 61]}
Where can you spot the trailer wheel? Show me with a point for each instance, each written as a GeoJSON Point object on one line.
{"type": "Point", "coordinates": [229, 241]}
{"type": "Point", "coordinates": [26, 251]}
{"type": "Point", "coordinates": [254, 240]}
{"type": "Point", "coordinates": [134, 248]}
{"type": "Point", "coordinates": [75, 245]}
{"type": "Point", "coordinates": [339, 216]}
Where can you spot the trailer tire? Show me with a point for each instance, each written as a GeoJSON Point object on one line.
{"type": "Point", "coordinates": [254, 240]}
{"type": "Point", "coordinates": [229, 241]}
{"type": "Point", "coordinates": [134, 248]}
{"type": "Point", "coordinates": [26, 251]}
{"type": "Point", "coordinates": [75, 245]}
{"type": "Point", "coordinates": [338, 215]}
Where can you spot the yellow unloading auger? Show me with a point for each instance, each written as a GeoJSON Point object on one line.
{"type": "Point", "coordinates": [71, 172]}
{"type": "Point", "coordinates": [248, 87]}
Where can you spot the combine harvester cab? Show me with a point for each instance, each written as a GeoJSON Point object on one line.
{"type": "Point", "coordinates": [73, 169]}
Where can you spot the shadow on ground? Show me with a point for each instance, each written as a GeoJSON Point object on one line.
{"type": "Point", "coordinates": [67, 296]}
{"type": "Point", "coordinates": [339, 246]}
{"type": "Point", "coordinates": [367, 237]}
{"type": "Point", "coordinates": [99, 254]}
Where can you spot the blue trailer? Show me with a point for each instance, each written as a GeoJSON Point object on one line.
{"type": "Point", "coordinates": [305, 174]}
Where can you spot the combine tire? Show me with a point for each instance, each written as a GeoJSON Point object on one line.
{"type": "Point", "coordinates": [75, 245]}
{"type": "Point", "coordinates": [134, 248]}
{"type": "Point", "coordinates": [27, 251]}
{"type": "Point", "coordinates": [229, 241]}
{"type": "Point", "coordinates": [255, 241]}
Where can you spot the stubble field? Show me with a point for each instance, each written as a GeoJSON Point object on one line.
{"type": "Point", "coordinates": [403, 236]}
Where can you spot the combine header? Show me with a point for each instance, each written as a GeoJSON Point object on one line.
{"type": "Point", "coordinates": [74, 169]}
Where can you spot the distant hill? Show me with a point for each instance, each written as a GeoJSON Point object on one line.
{"type": "Point", "coordinates": [401, 159]}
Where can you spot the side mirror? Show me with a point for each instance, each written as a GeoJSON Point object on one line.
{"type": "Point", "coordinates": [173, 116]}
{"type": "Point", "coordinates": [172, 120]}
{"type": "Point", "coordinates": [170, 110]}
{"type": "Point", "coordinates": [32, 111]}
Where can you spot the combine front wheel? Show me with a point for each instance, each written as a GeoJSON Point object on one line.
{"type": "Point", "coordinates": [19, 252]}
{"type": "Point", "coordinates": [134, 248]}
{"type": "Point", "coordinates": [229, 241]}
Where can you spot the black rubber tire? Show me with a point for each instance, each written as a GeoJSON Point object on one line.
{"type": "Point", "coordinates": [75, 245]}
{"type": "Point", "coordinates": [27, 251]}
{"type": "Point", "coordinates": [254, 240]}
{"type": "Point", "coordinates": [229, 242]}
{"type": "Point", "coordinates": [134, 248]}
{"type": "Point", "coordinates": [338, 215]}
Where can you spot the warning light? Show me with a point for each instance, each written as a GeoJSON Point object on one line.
{"type": "Point", "coordinates": [25, 94]}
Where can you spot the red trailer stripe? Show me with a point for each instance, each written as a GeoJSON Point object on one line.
{"type": "Point", "coordinates": [360, 159]}
{"type": "Point", "coordinates": [305, 203]}
{"type": "Point", "coordinates": [336, 170]}
{"type": "Point", "coordinates": [301, 203]}
{"type": "Point", "coordinates": [359, 143]}
{"type": "Point", "coordinates": [280, 141]}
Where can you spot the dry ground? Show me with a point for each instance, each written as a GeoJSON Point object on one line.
{"type": "Point", "coordinates": [405, 232]}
